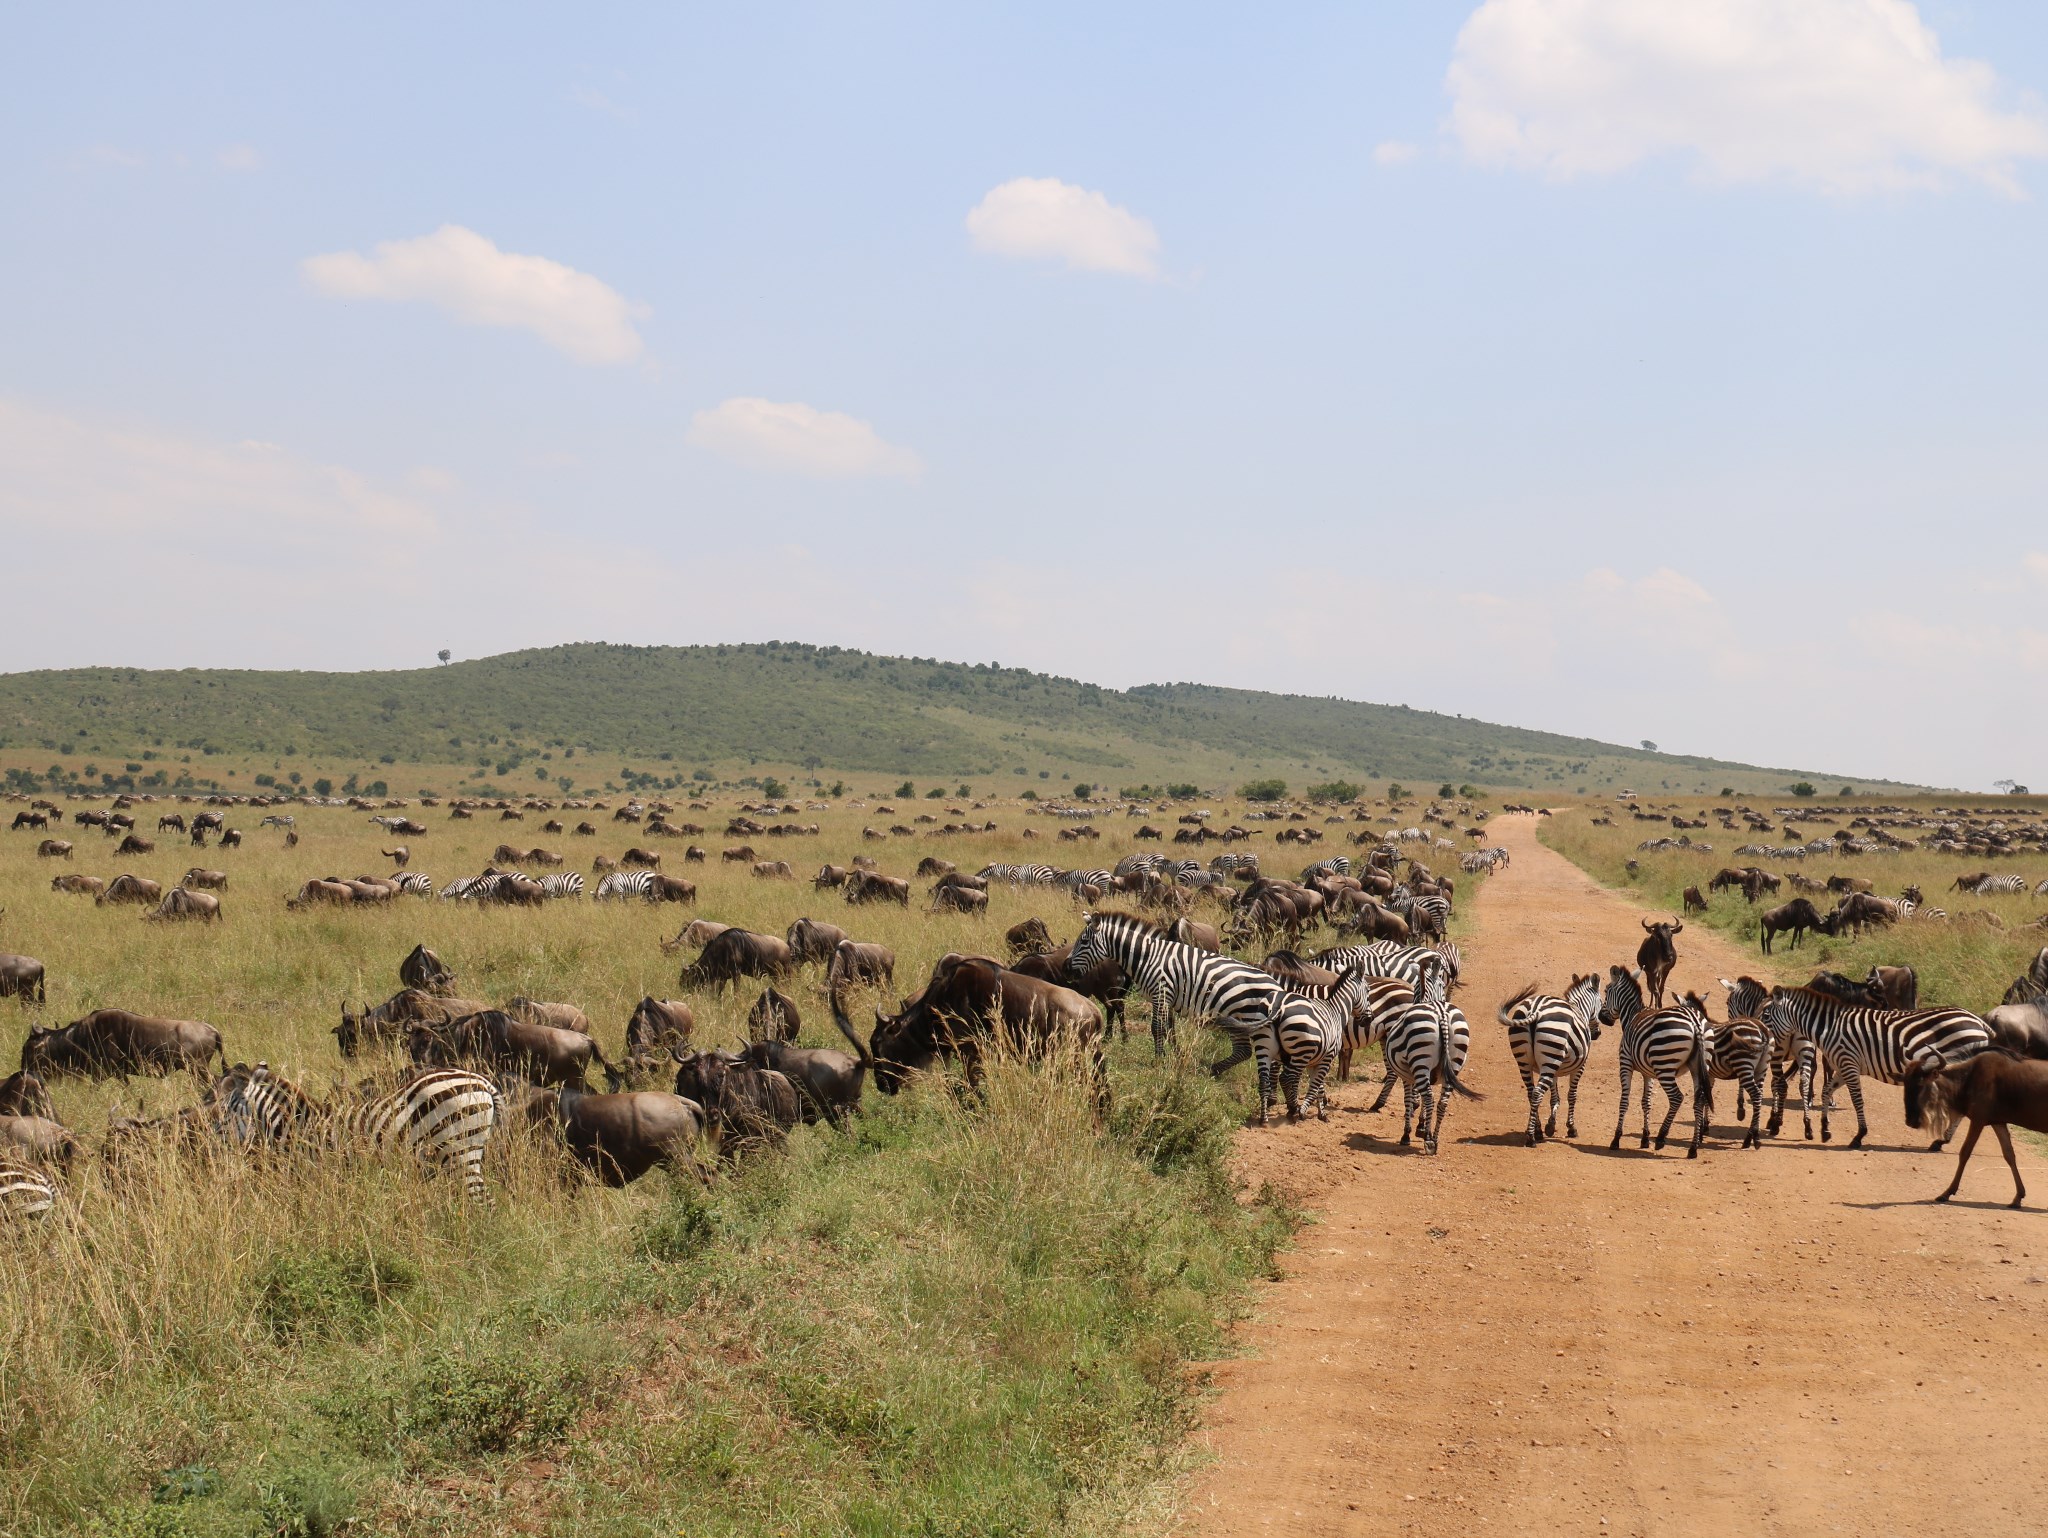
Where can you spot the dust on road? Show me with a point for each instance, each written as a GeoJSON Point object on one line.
{"type": "Point", "coordinates": [1564, 1339]}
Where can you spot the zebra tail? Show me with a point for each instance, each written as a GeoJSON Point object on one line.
{"type": "Point", "coordinates": [1703, 1073]}
{"type": "Point", "coordinates": [1443, 1057]}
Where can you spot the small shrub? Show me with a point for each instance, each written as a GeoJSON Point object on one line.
{"type": "Point", "coordinates": [1335, 791]}
{"type": "Point", "coordinates": [1263, 790]}
{"type": "Point", "coordinates": [906, 789]}
{"type": "Point", "coordinates": [302, 1503]}
{"type": "Point", "coordinates": [1804, 788]}
{"type": "Point", "coordinates": [681, 1230]}
{"type": "Point", "coordinates": [322, 1292]}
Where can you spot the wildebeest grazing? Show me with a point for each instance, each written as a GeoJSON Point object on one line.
{"type": "Point", "coordinates": [1993, 1089]}
{"type": "Point", "coordinates": [493, 1039]}
{"type": "Point", "coordinates": [184, 903]}
{"type": "Point", "coordinates": [620, 1137]}
{"type": "Point", "coordinates": [1796, 916]}
{"type": "Point", "coordinates": [735, 953]}
{"type": "Point", "coordinates": [21, 977]}
{"type": "Point", "coordinates": [129, 889]}
{"type": "Point", "coordinates": [114, 1043]}
{"type": "Point", "coordinates": [774, 1017]}
{"type": "Point", "coordinates": [423, 970]}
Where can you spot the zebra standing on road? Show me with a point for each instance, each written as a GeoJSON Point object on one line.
{"type": "Point", "coordinates": [1552, 1038]}
{"type": "Point", "coordinates": [443, 1115]}
{"type": "Point", "coordinates": [1309, 1031]}
{"type": "Point", "coordinates": [1660, 1044]}
{"type": "Point", "coordinates": [1239, 998]}
{"type": "Point", "coordinates": [1428, 1041]}
{"type": "Point", "coordinates": [1855, 1040]}
{"type": "Point", "coordinates": [1790, 1051]}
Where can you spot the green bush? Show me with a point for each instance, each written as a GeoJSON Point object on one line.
{"type": "Point", "coordinates": [1804, 788]}
{"type": "Point", "coordinates": [327, 1291]}
{"type": "Point", "coordinates": [1263, 790]}
{"type": "Point", "coordinates": [1333, 791]}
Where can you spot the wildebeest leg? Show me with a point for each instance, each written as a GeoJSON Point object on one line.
{"type": "Point", "coordinates": [2019, 1190]}
{"type": "Point", "coordinates": [1673, 1098]}
{"type": "Point", "coordinates": [1621, 1116]}
{"type": "Point", "coordinates": [1963, 1159]}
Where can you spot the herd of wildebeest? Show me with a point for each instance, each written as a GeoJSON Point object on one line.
{"type": "Point", "coordinates": [1153, 923]}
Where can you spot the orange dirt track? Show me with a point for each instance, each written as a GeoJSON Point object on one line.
{"type": "Point", "coordinates": [1566, 1340]}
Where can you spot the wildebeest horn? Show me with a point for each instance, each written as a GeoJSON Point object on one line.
{"type": "Point", "coordinates": [1646, 924]}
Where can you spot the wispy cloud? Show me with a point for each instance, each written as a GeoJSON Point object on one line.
{"type": "Point", "coordinates": [466, 275]}
{"type": "Point", "coordinates": [1393, 152]}
{"type": "Point", "coordinates": [240, 157]}
{"type": "Point", "coordinates": [789, 435]}
{"type": "Point", "coordinates": [1043, 219]}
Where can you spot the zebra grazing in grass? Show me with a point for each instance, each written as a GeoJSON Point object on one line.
{"type": "Point", "coordinates": [1660, 1044]}
{"type": "Point", "coordinates": [1239, 998]}
{"type": "Point", "coordinates": [419, 883]}
{"type": "Point", "coordinates": [1429, 1040]}
{"type": "Point", "coordinates": [25, 1193]}
{"type": "Point", "coordinates": [1020, 875]}
{"type": "Point", "coordinates": [1790, 1052]}
{"type": "Point", "coordinates": [1999, 886]}
{"type": "Point", "coordinates": [561, 884]}
{"type": "Point", "coordinates": [443, 1115]}
{"type": "Point", "coordinates": [1552, 1038]}
{"type": "Point", "coordinates": [622, 884]}
{"type": "Point", "coordinates": [1309, 1031]}
{"type": "Point", "coordinates": [1855, 1040]}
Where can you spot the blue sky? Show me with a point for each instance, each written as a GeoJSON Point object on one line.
{"type": "Point", "coordinates": [1610, 366]}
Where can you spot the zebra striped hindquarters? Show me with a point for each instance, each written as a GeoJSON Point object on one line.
{"type": "Point", "coordinates": [1789, 1050]}
{"type": "Point", "coordinates": [1660, 1044]}
{"type": "Point", "coordinates": [1854, 1040]}
{"type": "Point", "coordinates": [1429, 1042]}
{"type": "Point", "coordinates": [1552, 1038]}
{"type": "Point", "coordinates": [1308, 1032]}
{"type": "Point", "coordinates": [25, 1193]}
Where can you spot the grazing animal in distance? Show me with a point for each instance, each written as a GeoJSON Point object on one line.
{"type": "Point", "coordinates": [400, 857]}
{"type": "Point", "coordinates": [1796, 916]}
{"type": "Point", "coordinates": [1693, 900]}
{"type": "Point", "coordinates": [22, 976]}
{"type": "Point", "coordinates": [774, 1017]}
{"type": "Point", "coordinates": [115, 1043]}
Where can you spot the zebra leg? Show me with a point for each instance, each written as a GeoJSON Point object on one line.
{"type": "Point", "coordinates": [1777, 1098]}
{"type": "Point", "coordinates": [1240, 1049]}
{"type": "Point", "coordinates": [1386, 1089]}
{"type": "Point", "coordinates": [1550, 1126]}
{"type": "Point", "coordinates": [1673, 1098]}
{"type": "Point", "coordinates": [1425, 1122]}
{"type": "Point", "coordinates": [1290, 1086]}
{"type": "Point", "coordinates": [1535, 1088]}
{"type": "Point", "coordinates": [1162, 1022]}
{"type": "Point", "coordinates": [1621, 1116]}
{"type": "Point", "coordinates": [1806, 1070]}
{"type": "Point", "coordinates": [1571, 1106]}
{"type": "Point", "coordinates": [1854, 1080]}
{"type": "Point", "coordinates": [1756, 1100]}
{"type": "Point", "coordinates": [1408, 1110]}
{"type": "Point", "coordinates": [1318, 1094]}
{"type": "Point", "coordinates": [1443, 1114]}
{"type": "Point", "coordinates": [1645, 1143]}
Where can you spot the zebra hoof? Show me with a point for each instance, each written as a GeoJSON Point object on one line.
{"type": "Point", "coordinates": [1571, 1129]}
{"type": "Point", "coordinates": [1616, 1144]}
{"type": "Point", "coordinates": [1692, 1153]}
{"type": "Point", "coordinates": [1825, 1135]}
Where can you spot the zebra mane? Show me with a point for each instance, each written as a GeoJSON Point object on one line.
{"type": "Point", "coordinates": [1122, 916]}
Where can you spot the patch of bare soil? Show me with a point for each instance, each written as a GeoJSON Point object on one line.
{"type": "Point", "coordinates": [1564, 1339]}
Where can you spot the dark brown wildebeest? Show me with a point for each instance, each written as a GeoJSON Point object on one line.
{"type": "Point", "coordinates": [859, 961]}
{"type": "Point", "coordinates": [1729, 876]}
{"type": "Point", "coordinates": [586, 830]}
{"type": "Point", "coordinates": [206, 880]}
{"type": "Point", "coordinates": [1030, 938]}
{"type": "Point", "coordinates": [493, 1039]}
{"type": "Point", "coordinates": [508, 854]}
{"type": "Point", "coordinates": [1693, 900]}
{"type": "Point", "coordinates": [1993, 1089]}
{"type": "Point", "coordinates": [38, 820]}
{"type": "Point", "coordinates": [958, 1012]}
{"type": "Point", "coordinates": [670, 889]}
{"type": "Point", "coordinates": [546, 858]}
{"type": "Point", "coordinates": [1895, 987]}
{"type": "Point", "coordinates": [744, 1105]}
{"type": "Point", "coordinates": [1967, 883]}
{"type": "Point", "coordinates": [1104, 982]}
{"type": "Point", "coordinates": [866, 887]}
{"type": "Point", "coordinates": [774, 1017]}
{"type": "Point", "coordinates": [553, 825]}
{"type": "Point", "coordinates": [232, 838]}
{"type": "Point", "coordinates": [1657, 956]}
{"type": "Point", "coordinates": [89, 886]}
{"type": "Point", "coordinates": [134, 844]}
{"type": "Point", "coordinates": [23, 1094]}
{"type": "Point", "coordinates": [640, 859]}
{"type": "Point", "coordinates": [1796, 916]}
{"type": "Point", "coordinates": [655, 1026]}
{"type": "Point", "coordinates": [114, 1043]}
{"type": "Point", "coordinates": [737, 854]}
{"type": "Point", "coordinates": [736, 953]}
{"type": "Point", "coordinates": [54, 849]}
{"type": "Point", "coordinates": [2020, 1028]}
{"type": "Point", "coordinates": [1850, 884]}
{"type": "Point", "coordinates": [603, 863]}
{"type": "Point", "coordinates": [829, 875]}
{"type": "Point", "coordinates": [932, 865]}
{"type": "Point", "coordinates": [696, 854]}
{"type": "Point", "coordinates": [170, 822]}
{"type": "Point", "coordinates": [563, 1017]}
{"type": "Point", "coordinates": [620, 1137]}
{"type": "Point", "coordinates": [811, 941]}
{"type": "Point", "coordinates": [1860, 911]}
{"type": "Point", "coordinates": [184, 903]}
{"type": "Point", "coordinates": [2030, 984]}
{"type": "Point", "coordinates": [21, 976]}
{"type": "Point", "coordinates": [398, 1014]}
{"type": "Point", "coordinates": [959, 899]}
{"type": "Point", "coordinates": [829, 1082]}
{"type": "Point", "coordinates": [130, 889]}
{"type": "Point", "coordinates": [423, 970]}
{"type": "Point", "coordinates": [1203, 937]}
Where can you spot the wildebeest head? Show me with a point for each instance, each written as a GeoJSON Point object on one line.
{"type": "Point", "coordinates": [1930, 1096]}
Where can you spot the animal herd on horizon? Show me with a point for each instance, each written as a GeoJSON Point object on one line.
{"type": "Point", "coordinates": [473, 1068]}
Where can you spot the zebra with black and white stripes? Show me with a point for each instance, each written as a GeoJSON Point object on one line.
{"type": "Point", "coordinates": [1660, 1044]}
{"type": "Point", "coordinates": [1855, 1040]}
{"type": "Point", "coordinates": [1427, 1044]}
{"type": "Point", "coordinates": [561, 884]}
{"type": "Point", "coordinates": [443, 1116]}
{"type": "Point", "coordinates": [1385, 1001]}
{"type": "Point", "coordinates": [1790, 1052]}
{"type": "Point", "coordinates": [1309, 1031]}
{"type": "Point", "coordinates": [622, 884]}
{"type": "Point", "coordinates": [1239, 998]}
{"type": "Point", "coordinates": [25, 1193]}
{"type": "Point", "coordinates": [2000, 886]}
{"type": "Point", "coordinates": [417, 882]}
{"type": "Point", "coordinates": [1020, 875]}
{"type": "Point", "coordinates": [1552, 1038]}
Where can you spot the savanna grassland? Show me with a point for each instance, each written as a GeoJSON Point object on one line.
{"type": "Point", "coordinates": [956, 1317]}
{"type": "Point", "coordinates": [1966, 959]}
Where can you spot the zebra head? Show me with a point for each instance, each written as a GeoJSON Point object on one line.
{"type": "Point", "coordinates": [1623, 998]}
{"type": "Point", "coordinates": [1584, 998]}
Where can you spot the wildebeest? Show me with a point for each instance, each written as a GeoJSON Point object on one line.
{"type": "Point", "coordinates": [22, 977]}
{"type": "Point", "coordinates": [811, 941]}
{"type": "Point", "coordinates": [2032, 983]}
{"type": "Point", "coordinates": [35, 1140]}
{"type": "Point", "coordinates": [2020, 1028]}
{"type": "Point", "coordinates": [860, 961]}
{"type": "Point", "coordinates": [170, 822]}
{"type": "Point", "coordinates": [696, 932]}
{"type": "Point", "coordinates": [1859, 911]}
{"type": "Point", "coordinates": [184, 903]}
{"type": "Point", "coordinates": [54, 849]}
{"type": "Point", "coordinates": [1895, 987]}
{"type": "Point", "coordinates": [316, 892]}
{"type": "Point", "coordinates": [959, 899]}
{"type": "Point", "coordinates": [1693, 900]}
{"type": "Point", "coordinates": [830, 1082]}
{"type": "Point", "coordinates": [424, 970]}
{"type": "Point", "coordinates": [1657, 956]}
{"type": "Point", "coordinates": [38, 820]}
{"type": "Point", "coordinates": [655, 1026]}
{"type": "Point", "coordinates": [745, 1105]}
{"type": "Point", "coordinates": [134, 844]}
{"type": "Point", "coordinates": [130, 889]}
{"type": "Point", "coordinates": [1030, 938]}
{"type": "Point", "coordinates": [398, 1014]}
{"type": "Point", "coordinates": [208, 880]}
{"type": "Point", "coordinates": [23, 1094]}
{"type": "Point", "coordinates": [829, 875]}
{"type": "Point", "coordinates": [735, 953]}
{"type": "Point", "coordinates": [773, 870]}
{"type": "Point", "coordinates": [737, 854]}
{"type": "Point", "coordinates": [563, 1017]}
{"type": "Point", "coordinates": [114, 1043]}
{"type": "Point", "coordinates": [620, 1137]}
{"type": "Point", "coordinates": [1993, 1089]}
{"type": "Point", "coordinates": [774, 1017]}
{"type": "Point", "coordinates": [399, 857]}
{"type": "Point", "coordinates": [960, 1010]}
{"type": "Point", "coordinates": [90, 886]}
{"type": "Point", "coordinates": [1796, 916]}
{"type": "Point", "coordinates": [670, 889]}
{"type": "Point", "coordinates": [1206, 937]}
{"type": "Point", "coordinates": [1105, 982]}
{"type": "Point", "coordinates": [493, 1039]}
{"type": "Point", "coordinates": [866, 886]}
{"type": "Point", "coordinates": [932, 865]}
{"type": "Point", "coordinates": [642, 859]}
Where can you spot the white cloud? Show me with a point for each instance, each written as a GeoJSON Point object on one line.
{"type": "Point", "coordinates": [2035, 563]}
{"type": "Point", "coordinates": [241, 157]}
{"type": "Point", "coordinates": [468, 276]}
{"type": "Point", "coordinates": [1042, 219]}
{"type": "Point", "coordinates": [788, 435]}
{"type": "Point", "coordinates": [1845, 95]}
{"type": "Point", "coordinates": [1393, 152]}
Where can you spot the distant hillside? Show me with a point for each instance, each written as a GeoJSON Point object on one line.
{"type": "Point", "coordinates": [788, 705]}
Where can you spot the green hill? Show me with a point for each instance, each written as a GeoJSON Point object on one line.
{"type": "Point", "coordinates": [791, 706]}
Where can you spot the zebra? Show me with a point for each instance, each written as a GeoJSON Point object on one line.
{"type": "Point", "coordinates": [25, 1193]}
{"type": "Point", "coordinates": [1790, 1051]}
{"type": "Point", "coordinates": [1074, 880]}
{"type": "Point", "coordinates": [1854, 1040]}
{"type": "Point", "coordinates": [1659, 1044]}
{"type": "Point", "coordinates": [1240, 998]}
{"type": "Point", "coordinates": [419, 883]}
{"type": "Point", "coordinates": [445, 1116]}
{"type": "Point", "coordinates": [1231, 864]}
{"type": "Point", "coordinates": [1385, 1001]}
{"type": "Point", "coordinates": [1392, 958]}
{"type": "Point", "coordinates": [1021, 875]}
{"type": "Point", "coordinates": [622, 884]}
{"type": "Point", "coordinates": [1742, 1048]}
{"type": "Point", "coordinates": [1431, 1038]}
{"type": "Point", "coordinates": [461, 889]}
{"type": "Point", "coordinates": [1336, 865]}
{"type": "Point", "coordinates": [1552, 1038]}
{"type": "Point", "coordinates": [1993, 886]}
{"type": "Point", "coordinates": [1309, 1031]}
{"type": "Point", "coordinates": [562, 884]}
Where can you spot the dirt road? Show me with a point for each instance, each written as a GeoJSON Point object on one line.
{"type": "Point", "coordinates": [1563, 1339]}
